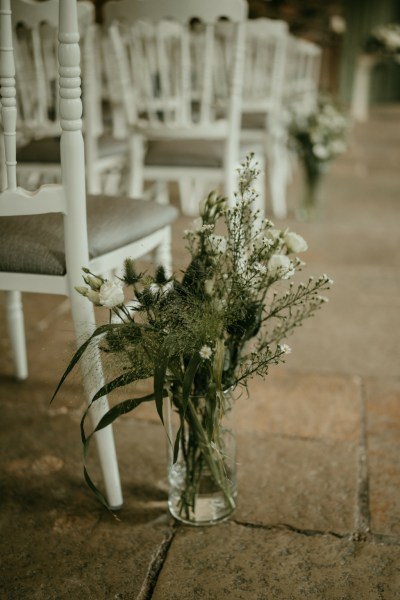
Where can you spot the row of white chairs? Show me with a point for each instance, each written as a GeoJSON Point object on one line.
{"type": "Point", "coordinates": [171, 100]}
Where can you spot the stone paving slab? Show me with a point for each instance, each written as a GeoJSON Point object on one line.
{"type": "Point", "coordinates": [58, 542]}
{"type": "Point", "coordinates": [383, 442]}
{"type": "Point", "coordinates": [303, 405]}
{"type": "Point", "coordinates": [361, 317]}
{"type": "Point", "coordinates": [308, 484]}
{"type": "Point", "coordinates": [233, 562]}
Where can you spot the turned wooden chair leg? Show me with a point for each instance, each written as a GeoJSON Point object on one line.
{"type": "Point", "coordinates": [16, 328]}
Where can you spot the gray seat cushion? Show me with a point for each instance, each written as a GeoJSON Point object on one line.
{"type": "Point", "coordinates": [35, 244]}
{"type": "Point", "coordinates": [47, 150]}
{"type": "Point", "coordinates": [253, 121]}
{"type": "Point", "coordinates": [184, 153]}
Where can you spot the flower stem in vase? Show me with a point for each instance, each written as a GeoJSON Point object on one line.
{"type": "Point", "coordinates": [202, 479]}
{"type": "Point", "coordinates": [311, 200]}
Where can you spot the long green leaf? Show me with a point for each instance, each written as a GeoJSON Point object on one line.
{"type": "Point", "coordinates": [78, 354]}
{"type": "Point", "coordinates": [188, 380]}
{"type": "Point", "coordinates": [116, 411]}
{"type": "Point", "coordinates": [187, 385]}
{"type": "Point", "coordinates": [160, 371]}
{"type": "Point", "coordinates": [122, 408]}
{"type": "Point", "coordinates": [119, 381]}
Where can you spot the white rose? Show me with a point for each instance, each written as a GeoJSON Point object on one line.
{"type": "Point", "coordinates": [111, 294]}
{"type": "Point", "coordinates": [295, 243]}
{"type": "Point", "coordinates": [280, 266]}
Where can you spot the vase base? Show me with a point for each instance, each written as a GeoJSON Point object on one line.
{"type": "Point", "coordinates": [209, 510]}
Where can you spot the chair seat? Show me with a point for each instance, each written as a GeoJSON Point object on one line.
{"type": "Point", "coordinates": [47, 150]}
{"type": "Point", "coordinates": [185, 153]}
{"type": "Point", "coordinates": [35, 244]}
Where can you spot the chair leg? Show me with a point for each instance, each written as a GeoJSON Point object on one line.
{"type": "Point", "coordinates": [191, 191]}
{"type": "Point", "coordinates": [163, 252]}
{"type": "Point", "coordinates": [278, 179]}
{"type": "Point", "coordinates": [136, 166]}
{"type": "Point", "coordinates": [84, 320]}
{"type": "Point", "coordinates": [16, 328]}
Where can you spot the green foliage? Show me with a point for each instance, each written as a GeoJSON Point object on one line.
{"type": "Point", "coordinates": [212, 329]}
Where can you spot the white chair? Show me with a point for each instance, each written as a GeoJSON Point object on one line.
{"type": "Point", "coordinates": [179, 129]}
{"type": "Point", "coordinates": [263, 127]}
{"type": "Point", "coordinates": [38, 150]}
{"type": "Point", "coordinates": [302, 76]}
{"type": "Point", "coordinates": [302, 84]}
{"type": "Point", "coordinates": [47, 236]}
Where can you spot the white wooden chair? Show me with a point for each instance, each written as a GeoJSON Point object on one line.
{"type": "Point", "coordinates": [38, 149]}
{"type": "Point", "coordinates": [302, 77]}
{"type": "Point", "coordinates": [47, 236]}
{"type": "Point", "coordinates": [179, 129]}
{"type": "Point", "coordinates": [263, 128]}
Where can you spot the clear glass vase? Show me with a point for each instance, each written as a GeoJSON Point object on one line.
{"type": "Point", "coordinates": [312, 204]}
{"type": "Point", "coordinates": [202, 479]}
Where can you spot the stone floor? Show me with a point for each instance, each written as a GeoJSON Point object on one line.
{"type": "Point", "coordinates": [318, 440]}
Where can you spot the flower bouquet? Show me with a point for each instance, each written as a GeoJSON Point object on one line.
{"type": "Point", "coordinates": [318, 138]}
{"type": "Point", "coordinates": [201, 336]}
{"type": "Point", "coordinates": [384, 40]}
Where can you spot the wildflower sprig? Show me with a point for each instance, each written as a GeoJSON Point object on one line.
{"type": "Point", "coordinates": [223, 321]}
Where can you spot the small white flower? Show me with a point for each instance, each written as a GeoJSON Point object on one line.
{"type": "Point", "coordinates": [295, 243]}
{"type": "Point", "coordinates": [111, 294]}
{"type": "Point", "coordinates": [260, 268]}
{"type": "Point", "coordinates": [218, 243]}
{"type": "Point", "coordinates": [285, 348]}
{"type": "Point", "coordinates": [205, 352]}
{"type": "Point", "coordinates": [280, 266]}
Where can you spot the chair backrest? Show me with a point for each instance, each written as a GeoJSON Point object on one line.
{"type": "Point", "coordinates": [303, 68]}
{"type": "Point", "coordinates": [264, 72]}
{"type": "Point", "coordinates": [69, 198]}
{"type": "Point", "coordinates": [165, 54]}
{"type": "Point", "coordinates": [35, 31]}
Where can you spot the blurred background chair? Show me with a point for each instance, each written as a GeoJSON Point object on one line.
{"type": "Point", "coordinates": [165, 54]}
{"type": "Point", "coordinates": [263, 111]}
{"type": "Point", "coordinates": [302, 87]}
{"type": "Point", "coordinates": [48, 235]}
{"type": "Point", "coordinates": [38, 151]}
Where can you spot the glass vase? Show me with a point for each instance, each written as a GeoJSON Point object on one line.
{"type": "Point", "coordinates": [202, 472]}
{"type": "Point", "coordinates": [311, 204]}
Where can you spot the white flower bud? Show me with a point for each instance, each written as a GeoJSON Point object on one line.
{"type": "Point", "coordinates": [94, 282]}
{"type": "Point", "coordinates": [94, 297]}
